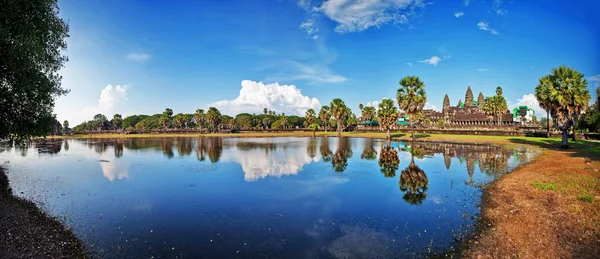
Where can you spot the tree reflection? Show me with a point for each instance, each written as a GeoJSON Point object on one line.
{"type": "Point", "coordinates": [200, 149]}
{"type": "Point", "coordinates": [184, 146]}
{"type": "Point", "coordinates": [413, 182]}
{"type": "Point", "coordinates": [118, 149]}
{"type": "Point", "coordinates": [324, 149]}
{"type": "Point", "coordinates": [311, 149]}
{"type": "Point", "coordinates": [66, 147]}
{"type": "Point", "coordinates": [167, 148]}
{"type": "Point", "coordinates": [369, 152]}
{"type": "Point", "coordinates": [215, 149]}
{"type": "Point", "coordinates": [339, 161]}
{"type": "Point", "coordinates": [388, 160]}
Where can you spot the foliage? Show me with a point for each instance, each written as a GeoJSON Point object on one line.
{"type": "Point", "coordinates": [117, 120]}
{"type": "Point", "coordinates": [131, 121]}
{"type": "Point", "coordinates": [411, 97]}
{"type": "Point", "coordinates": [586, 198]}
{"type": "Point", "coordinates": [32, 38]}
{"type": "Point", "coordinates": [545, 186]}
{"type": "Point", "coordinates": [590, 120]}
{"type": "Point", "coordinates": [440, 123]}
{"type": "Point", "coordinates": [213, 117]}
{"type": "Point", "coordinates": [388, 115]}
{"type": "Point", "coordinates": [389, 162]}
{"type": "Point", "coordinates": [324, 115]}
{"type": "Point", "coordinates": [368, 113]}
{"type": "Point", "coordinates": [340, 112]}
{"type": "Point", "coordinates": [495, 106]}
{"type": "Point", "coordinates": [309, 117]}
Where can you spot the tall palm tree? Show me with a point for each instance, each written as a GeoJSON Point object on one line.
{"type": "Point", "coordinates": [309, 120]}
{"type": "Point", "coordinates": [368, 113]}
{"type": "Point", "coordinates": [569, 97]}
{"type": "Point", "coordinates": [200, 118]}
{"type": "Point", "coordinates": [265, 111]}
{"type": "Point", "coordinates": [324, 116]}
{"type": "Point", "coordinates": [411, 97]}
{"type": "Point", "coordinates": [213, 117]}
{"type": "Point", "coordinates": [388, 115]}
{"type": "Point", "coordinates": [360, 107]}
{"type": "Point", "coordinates": [499, 90]}
{"type": "Point", "coordinates": [339, 112]}
{"type": "Point", "coordinates": [542, 94]}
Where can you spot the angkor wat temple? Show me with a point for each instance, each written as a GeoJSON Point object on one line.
{"type": "Point", "coordinates": [469, 112]}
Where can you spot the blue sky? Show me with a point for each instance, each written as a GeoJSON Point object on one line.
{"type": "Point", "coordinates": [133, 57]}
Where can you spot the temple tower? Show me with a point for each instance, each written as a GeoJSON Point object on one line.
{"type": "Point", "coordinates": [469, 97]}
{"type": "Point", "coordinates": [446, 109]}
{"type": "Point", "coordinates": [480, 100]}
{"type": "Point", "coordinates": [459, 103]}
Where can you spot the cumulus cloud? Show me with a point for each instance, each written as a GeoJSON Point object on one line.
{"type": "Point", "coordinates": [486, 27]}
{"type": "Point", "coordinates": [373, 103]}
{"type": "Point", "coordinates": [531, 102]}
{"type": "Point", "coordinates": [255, 96]}
{"type": "Point", "coordinates": [111, 97]}
{"type": "Point", "coordinates": [310, 27]}
{"type": "Point", "coordinates": [138, 57]}
{"type": "Point", "coordinates": [482, 69]}
{"type": "Point", "coordinates": [458, 14]}
{"type": "Point", "coordinates": [359, 15]}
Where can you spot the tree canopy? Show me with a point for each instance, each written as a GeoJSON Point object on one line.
{"type": "Point", "coordinates": [32, 38]}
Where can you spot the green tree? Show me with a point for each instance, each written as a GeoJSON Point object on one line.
{"type": "Point", "coordinates": [66, 124]}
{"type": "Point", "coordinates": [168, 112]}
{"type": "Point", "coordinates": [368, 113]}
{"type": "Point", "coordinates": [265, 111]}
{"type": "Point", "coordinates": [543, 92]}
{"type": "Point", "coordinates": [339, 111]}
{"type": "Point", "coordinates": [411, 97]}
{"type": "Point", "coordinates": [388, 115]}
{"type": "Point", "coordinates": [310, 119]}
{"type": "Point", "coordinates": [501, 106]}
{"type": "Point", "coordinates": [440, 124]}
{"type": "Point", "coordinates": [179, 120]}
{"type": "Point", "coordinates": [32, 38]}
{"type": "Point", "coordinates": [266, 122]}
{"type": "Point", "coordinates": [165, 120]}
{"type": "Point", "coordinates": [244, 120]}
{"type": "Point", "coordinates": [213, 117]}
{"type": "Point", "coordinates": [117, 120]}
{"type": "Point", "coordinates": [324, 116]}
{"type": "Point", "coordinates": [200, 119]}
{"type": "Point", "coordinates": [283, 120]}
{"type": "Point", "coordinates": [569, 97]}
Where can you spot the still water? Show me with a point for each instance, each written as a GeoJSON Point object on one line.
{"type": "Point", "coordinates": [260, 197]}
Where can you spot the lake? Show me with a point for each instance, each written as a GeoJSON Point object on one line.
{"type": "Point", "coordinates": [284, 197]}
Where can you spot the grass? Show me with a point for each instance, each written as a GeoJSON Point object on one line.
{"type": "Point", "coordinates": [545, 186]}
{"type": "Point", "coordinates": [586, 198]}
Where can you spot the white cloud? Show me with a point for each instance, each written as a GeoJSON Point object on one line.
{"type": "Point", "coordinates": [373, 103]}
{"type": "Point", "coordinates": [458, 14]}
{"type": "Point", "coordinates": [435, 60]}
{"type": "Point", "coordinates": [311, 28]}
{"type": "Point", "coordinates": [531, 102]}
{"type": "Point", "coordinates": [429, 106]}
{"type": "Point", "coordinates": [500, 12]}
{"type": "Point", "coordinates": [254, 96]}
{"type": "Point", "coordinates": [484, 26]}
{"type": "Point", "coordinates": [138, 57]}
{"type": "Point", "coordinates": [359, 15]}
{"type": "Point", "coordinates": [111, 97]}
{"type": "Point", "coordinates": [498, 7]}
{"type": "Point", "coordinates": [409, 64]}
{"type": "Point", "coordinates": [595, 79]}
{"type": "Point", "coordinates": [466, 2]}
{"type": "Point", "coordinates": [482, 69]}
{"type": "Point", "coordinates": [290, 70]}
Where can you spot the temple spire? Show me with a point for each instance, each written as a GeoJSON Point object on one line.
{"type": "Point", "coordinates": [480, 100]}
{"type": "Point", "coordinates": [446, 103]}
{"type": "Point", "coordinates": [469, 97]}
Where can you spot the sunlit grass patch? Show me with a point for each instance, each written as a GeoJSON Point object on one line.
{"type": "Point", "coordinates": [586, 198]}
{"type": "Point", "coordinates": [545, 186]}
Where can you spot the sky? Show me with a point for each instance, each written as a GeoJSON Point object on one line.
{"type": "Point", "coordinates": [140, 57]}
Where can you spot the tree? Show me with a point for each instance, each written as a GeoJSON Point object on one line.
{"type": "Point", "coordinates": [117, 120]}
{"type": "Point", "coordinates": [427, 122]}
{"type": "Point", "coordinates": [265, 111]}
{"type": "Point", "coordinates": [360, 107]}
{"type": "Point", "coordinates": [368, 114]}
{"type": "Point", "coordinates": [543, 93]}
{"type": "Point", "coordinates": [568, 97]}
{"type": "Point", "coordinates": [309, 117]}
{"type": "Point", "coordinates": [200, 119]}
{"type": "Point", "coordinates": [283, 120]}
{"type": "Point", "coordinates": [324, 116]}
{"type": "Point", "coordinates": [244, 120]}
{"type": "Point", "coordinates": [213, 117]}
{"type": "Point", "coordinates": [388, 115]}
{"type": "Point", "coordinates": [32, 38]}
{"type": "Point", "coordinates": [165, 119]}
{"type": "Point", "coordinates": [266, 122]}
{"type": "Point", "coordinates": [179, 120]}
{"type": "Point", "coordinates": [495, 106]}
{"type": "Point", "coordinates": [168, 112]}
{"type": "Point", "coordinates": [411, 97]}
{"type": "Point", "coordinates": [499, 91]}
{"type": "Point", "coordinates": [66, 125]}
{"type": "Point", "coordinates": [339, 111]}
{"type": "Point", "coordinates": [440, 124]}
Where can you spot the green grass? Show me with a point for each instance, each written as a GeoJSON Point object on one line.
{"type": "Point", "coordinates": [586, 198]}
{"type": "Point", "coordinates": [545, 186]}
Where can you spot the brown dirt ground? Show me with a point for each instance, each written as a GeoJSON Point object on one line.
{"type": "Point", "coordinates": [522, 221]}
{"type": "Point", "coordinates": [27, 232]}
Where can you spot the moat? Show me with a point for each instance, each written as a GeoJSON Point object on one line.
{"type": "Point", "coordinates": [280, 197]}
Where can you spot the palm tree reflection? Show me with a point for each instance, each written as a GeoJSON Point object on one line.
{"type": "Point", "coordinates": [369, 152]}
{"type": "Point", "coordinates": [413, 182]}
{"type": "Point", "coordinates": [325, 151]}
{"type": "Point", "coordinates": [388, 160]}
{"type": "Point", "coordinates": [339, 161]}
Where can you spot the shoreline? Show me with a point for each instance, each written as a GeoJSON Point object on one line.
{"type": "Point", "coordinates": [512, 207]}
{"type": "Point", "coordinates": [26, 231]}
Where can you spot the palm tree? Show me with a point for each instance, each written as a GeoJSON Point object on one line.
{"type": "Point", "coordinates": [411, 97]}
{"type": "Point", "coordinates": [168, 112]}
{"type": "Point", "coordinates": [388, 115]}
{"type": "Point", "coordinates": [360, 107]}
{"type": "Point", "coordinates": [368, 113]}
{"type": "Point", "coordinates": [569, 97]}
{"type": "Point", "coordinates": [309, 120]}
{"type": "Point", "coordinates": [117, 120]}
{"type": "Point", "coordinates": [388, 160]}
{"type": "Point", "coordinates": [498, 90]}
{"type": "Point", "coordinates": [339, 111]}
{"type": "Point", "coordinates": [265, 111]}
{"type": "Point", "coordinates": [542, 94]}
{"type": "Point", "coordinates": [200, 118]}
{"type": "Point", "coordinates": [179, 120]}
{"type": "Point", "coordinates": [213, 117]}
{"type": "Point", "coordinates": [324, 116]}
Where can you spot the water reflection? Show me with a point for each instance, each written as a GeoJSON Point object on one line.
{"type": "Point", "coordinates": [339, 161]}
{"type": "Point", "coordinates": [324, 149]}
{"type": "Point", "coordinates": [369, 152]}
{"type": "Point", "coordinates": [413, 182]}
{"type": "Point", "coordinates": [388, 160]}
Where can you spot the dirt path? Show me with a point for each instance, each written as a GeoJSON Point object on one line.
{"type": "Point", "coordinates": [27, 232]}
{"type": "Point", "coordinates": [549, 208]}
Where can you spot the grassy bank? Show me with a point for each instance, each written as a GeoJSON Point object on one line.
{"type": "Point", "coordinates": [28, 232]}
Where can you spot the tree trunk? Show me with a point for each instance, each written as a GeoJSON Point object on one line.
{"type": "Point", "coordinates": [412, 128]}
{"type": "Point", "coordinates": [574, 129]}
{"type": "Point", "coordinates": [339, 128]}
{"type": "Point", "coordinates": [565, 137]}
{"type": "Point", "coordinates": [314, 133]}
{"type": "Point", "coordinates": [548, 123]}
{"type": "Point", "coordinates": [388, 135]}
